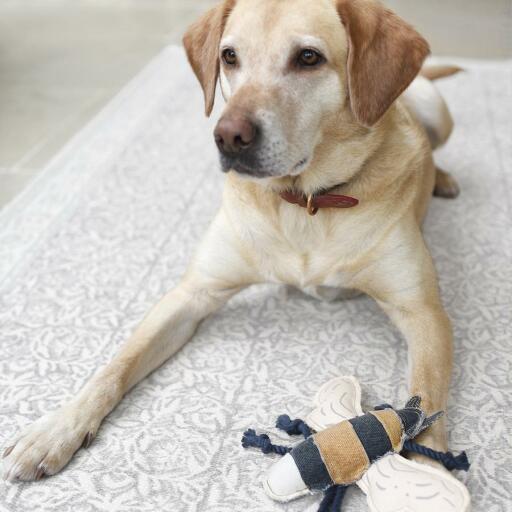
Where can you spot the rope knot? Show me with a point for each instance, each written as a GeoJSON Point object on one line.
{"type": "Point", "coordinates": [293, 427]}
{"type": "Point", "coordinates": [252, 440]}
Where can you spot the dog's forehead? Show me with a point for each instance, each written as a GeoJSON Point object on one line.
{"type": "Point", "coordinates": [280, 23]}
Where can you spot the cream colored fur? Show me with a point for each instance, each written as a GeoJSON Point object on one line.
{"type": "Point", "coordinates": [376, 248]}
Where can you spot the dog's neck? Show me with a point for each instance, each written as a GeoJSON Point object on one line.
{"type": "Point", "coordinates": [350, 159]}
{"type": "Point", "coordinates": [341, 160]}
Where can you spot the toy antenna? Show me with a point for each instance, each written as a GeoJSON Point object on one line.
{"type": "Point", "coordinates": [414, 402]}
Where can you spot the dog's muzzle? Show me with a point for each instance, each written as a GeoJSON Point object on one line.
{"type": "Point", "coordinates": [237, 139]}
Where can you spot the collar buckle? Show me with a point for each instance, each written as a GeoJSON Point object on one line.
{"type": "Point", "coordinates": [312, 210]}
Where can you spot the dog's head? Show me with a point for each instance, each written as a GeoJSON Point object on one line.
{"type": "Point", "coordinates": [288, 69]}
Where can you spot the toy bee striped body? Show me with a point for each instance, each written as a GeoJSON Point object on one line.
{"type": "Point", "coordinates": [343, 453]}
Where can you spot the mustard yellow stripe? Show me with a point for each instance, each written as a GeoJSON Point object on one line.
{"type": "Point", "coordinates": [393, 426]}
{"type": "Point", "coordinates": [342, 452]}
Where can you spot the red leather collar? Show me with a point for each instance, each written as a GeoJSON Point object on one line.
{"type": "Point", "coordinates": [314, 202]}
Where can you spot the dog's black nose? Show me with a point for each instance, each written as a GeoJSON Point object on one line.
{"type": "Point", "coordinates": [234, 134]}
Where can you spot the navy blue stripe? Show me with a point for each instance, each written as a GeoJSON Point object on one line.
{"type": "Point", "coordinates": [373, 436]}
{"type": "Point", "coordinates": [311, 466]}
{"type": "Point", "coordinates": [410, 419]}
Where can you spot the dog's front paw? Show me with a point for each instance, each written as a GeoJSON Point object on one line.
{"type": "Point", "coordinates": [46, 446]}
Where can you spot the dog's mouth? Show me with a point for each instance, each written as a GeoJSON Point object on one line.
{"type": "Point", "coordinates": [241, 168]}
{"type": "Point", "coordinates": [248, 167]}
{"type": "Point", "coordinates": [254, 170]}
{"type": "Point", "coordinates": [300, 166]}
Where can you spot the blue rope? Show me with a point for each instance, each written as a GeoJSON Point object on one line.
{"type": "Point", "coordinates": [293, 427]}
{"type": "Point", "coordinates": [333, 499]}
{"type": "Point", "coordinates": [251, 440]}
{"type": "Point", "coordinates": [326, 503]}
{"type": "Point", "coordinates": [448, 459]}
{"type": "Point", "coordinates": [338, 498]}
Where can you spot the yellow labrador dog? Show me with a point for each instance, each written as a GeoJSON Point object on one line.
{"type": "Point", "coordinates": [316, 119]}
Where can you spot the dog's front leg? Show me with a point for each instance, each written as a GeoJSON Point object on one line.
{"type": "Point", "coordinates": [49, 443]}
{"type": "Point", "coordinates": [428, 334]}
{"type": "Point", "coordinates": [402, 278]}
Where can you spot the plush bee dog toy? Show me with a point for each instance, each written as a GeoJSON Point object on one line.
{"type": "Point", "coordinates": [341, 454]}
{"type": "Point", "coordinates": [345, 446]}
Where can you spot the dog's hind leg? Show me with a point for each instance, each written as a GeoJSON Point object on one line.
{"type": "Point", "coordinates": [446, 186]}
{"type": "Point", "coordinates": [427, 105]}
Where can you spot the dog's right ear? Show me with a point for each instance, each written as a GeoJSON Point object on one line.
{"type": "Point", "coordinates": [201, 42]}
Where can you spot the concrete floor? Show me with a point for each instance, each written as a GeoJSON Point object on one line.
{"type": "Point", "coordinates": [61, 61]}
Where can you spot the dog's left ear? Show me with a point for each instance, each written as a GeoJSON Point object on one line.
{"type": "Point", "coordinates": [201, 42]}
{"type": "Point", "coordinates": [385, 55]}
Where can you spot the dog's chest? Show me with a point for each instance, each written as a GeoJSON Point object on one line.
{"type": "Point", "coordinates": [304, 252]}
{"type": "Point", "coordinates": [305, 270]}
{"type": "Point", "coordinates": [286, 245]}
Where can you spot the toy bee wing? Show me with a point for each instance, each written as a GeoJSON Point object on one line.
{"type": "Point", "coordinates": [391, 483]}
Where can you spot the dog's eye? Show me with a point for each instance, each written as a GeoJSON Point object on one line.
{"type": "Point", "coordinates": [309, 58]}
{"type": "Point", "coordinates": [229, 56]}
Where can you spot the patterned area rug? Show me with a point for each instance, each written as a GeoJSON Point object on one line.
{"type": "Point", "coordinates": [109, 227]}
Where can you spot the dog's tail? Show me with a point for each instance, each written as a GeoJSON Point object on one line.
{"type": "Point", "coordinates": [441, 71]}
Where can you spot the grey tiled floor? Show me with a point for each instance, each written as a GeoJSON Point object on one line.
{"type": "Point", "coordinates": [61, 60]}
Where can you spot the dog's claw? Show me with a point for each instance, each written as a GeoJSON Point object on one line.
{"type": "Point", "coordinates": [88, 439]}
{"type": "Point", "coordinates": [47, 445]}
{"type": "Point", "coordinates": [40, 473]}
{"type": "Point", "coordinates": [8, 450]}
